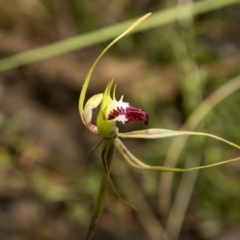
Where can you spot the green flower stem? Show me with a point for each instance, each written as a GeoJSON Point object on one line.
{"type": "Point", "coordinates": [107, 155]}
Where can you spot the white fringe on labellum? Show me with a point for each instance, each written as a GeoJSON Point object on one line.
{"type": "Point", "coordinates": [125, 113]}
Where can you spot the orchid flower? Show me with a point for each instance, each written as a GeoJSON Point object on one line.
{"type": "Point", "coordinates": [111, 111]}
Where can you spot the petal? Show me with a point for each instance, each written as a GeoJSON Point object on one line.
{"type": "Point", "coordinates": [106, 128]}
{"type": "Point", "coordinates": [92, 103]}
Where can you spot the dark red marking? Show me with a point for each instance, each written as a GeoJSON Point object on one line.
{"type": "Point", "coordinates": [131, 114]}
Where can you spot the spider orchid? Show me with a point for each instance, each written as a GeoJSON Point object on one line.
{"type": "Point", "coordinates": [112, 111]}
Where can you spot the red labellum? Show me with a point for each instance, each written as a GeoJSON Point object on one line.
{"type": "Point", "coordinates": [128, 114]}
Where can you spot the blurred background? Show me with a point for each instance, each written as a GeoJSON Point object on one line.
{"type": "Point", "coordinates": [184, 74]}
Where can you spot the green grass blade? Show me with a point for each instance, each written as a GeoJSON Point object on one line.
{"type": "Point", "coordinates": [160, 18]}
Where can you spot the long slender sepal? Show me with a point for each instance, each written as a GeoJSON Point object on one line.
{"type": "Point", "coordinates": [87, 79]}
{"type": "Point", "coordinates": [132, 160]}
{"type": "Point", "coordinates": [90, 153]}
{"type": "Point", "coordinates": [107, 170]}
{"type": "Point", "coordinates": [162, 133]}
